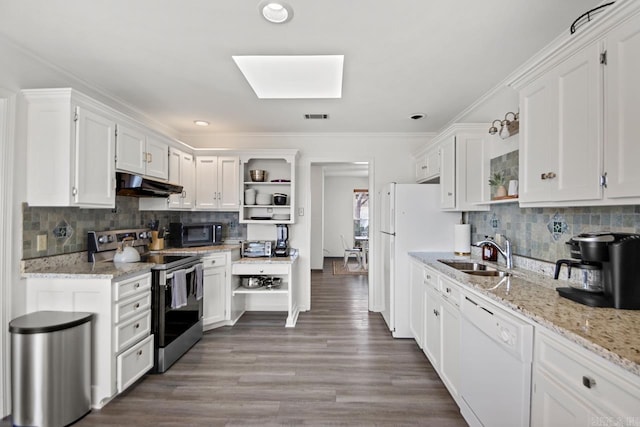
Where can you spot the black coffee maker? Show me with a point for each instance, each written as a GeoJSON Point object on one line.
{"type": "Point", "coordinates": [282, 242]}
{"type": "Point", "coordinates": [619, 255]}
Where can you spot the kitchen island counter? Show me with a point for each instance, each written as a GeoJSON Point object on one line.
{"type": "Point", "coordinates": [611, 333]}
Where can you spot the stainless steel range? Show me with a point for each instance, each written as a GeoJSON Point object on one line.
{"type": "Point", "coordinates": [176, 291]}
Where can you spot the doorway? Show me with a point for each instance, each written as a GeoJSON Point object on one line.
{"type": "Point", "coordinates": [333, 215]}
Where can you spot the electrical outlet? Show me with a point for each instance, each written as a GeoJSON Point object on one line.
{"type": "Point", "coordinates": [300, 211]}
{"type": "Point", "coordinates": [41, 244]}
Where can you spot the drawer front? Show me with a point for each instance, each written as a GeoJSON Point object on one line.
{"type": "Point", "coordinates": [260, 269]}
{"type": "Point", "coordinates": [132, 307]}
{"type": "Point", "coordinates": [134, 363]}
{"type": "Point", "coordinates": [127, 288]}
{"type": "Point", "coordinates": [450, 290]}
{"type": "Point", "coordinates": [575, 369]}
{"type": "Point", "coordinates": [213, 261]}
{"type": "Point", "coordinates": [431, 279]}
{"type": "Point", "coordinates": [133, 330]}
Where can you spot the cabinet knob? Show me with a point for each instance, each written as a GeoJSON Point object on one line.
{"type": "Point", "coordinates": [428, 277]}
{"type": "Point", "coordinates": [588, 382]}
{"type": "Point", "coordinates": [449, 193]}
{"type": "Point", "coordinates": [137, 326]}
{"type": "Point", "coordinates": [423, 167]}
{"type": "Point", "coordinates": [548, 175]}
{"type": "Point", "coordinates": [139, 352]}
{"type": "Point", "coordinates": [213, 261]}
{"type": "Point", "coordinates": [448, 290]}
{"type": "Point", "coordinates": [137, 285]}
{"type": "Point", "coordinates": [137, 306]}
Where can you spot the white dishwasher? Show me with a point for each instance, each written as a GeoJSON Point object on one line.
{"type": "Point", "coordinates": [496, 351]}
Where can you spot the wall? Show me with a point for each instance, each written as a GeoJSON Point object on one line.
{"type": "Point", "coordinates": [42, 220]}
{"type": "Point", "coordinates": [317, 217]}
{"type": "Point", "coordinates": [541, 233]}
{"type": "Point", "coordinates": [338, 212]}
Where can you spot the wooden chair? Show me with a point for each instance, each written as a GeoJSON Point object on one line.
{"type": "Point", "coordinates": [348, 252]}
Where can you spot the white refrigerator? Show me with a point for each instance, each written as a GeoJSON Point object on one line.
{"type": "Point", "coordinates": [411, 221]}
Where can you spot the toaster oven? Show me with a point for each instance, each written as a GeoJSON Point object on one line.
{"type": "Point", "coordinates": [257, 248]}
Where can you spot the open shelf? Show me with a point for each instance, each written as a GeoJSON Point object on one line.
{"type": "Point", "coordinates": [284, 289]}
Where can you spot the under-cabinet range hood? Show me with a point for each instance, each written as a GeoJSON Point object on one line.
{"type": "Point", "coordinates": [139, 186]}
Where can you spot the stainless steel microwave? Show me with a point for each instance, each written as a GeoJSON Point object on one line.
{"type": "Point", "coordinates": [185, 235]}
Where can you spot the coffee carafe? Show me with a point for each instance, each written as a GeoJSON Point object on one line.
{"type": "Point", "coordinates": [282, 241]}
{"type": "Point", "coordinates": [618, 253]}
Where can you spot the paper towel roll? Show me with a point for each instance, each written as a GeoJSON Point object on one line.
{"type": "Point", "coordinates": [462, 239]}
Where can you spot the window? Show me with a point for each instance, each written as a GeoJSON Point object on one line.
{"type": "Point", "coordinates": [360, 216]}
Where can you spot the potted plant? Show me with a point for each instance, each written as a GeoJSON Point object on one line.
{"type": "Point", "coordinates": [497, 181]}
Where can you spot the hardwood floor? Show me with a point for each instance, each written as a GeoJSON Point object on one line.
{"type": "Point", "coordinates": [338, 366]}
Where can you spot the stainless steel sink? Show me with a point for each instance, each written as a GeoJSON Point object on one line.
{"type": "Point", "coordinates": [475, 268]}
{"type": "Point", "coordinates": [489, 273]}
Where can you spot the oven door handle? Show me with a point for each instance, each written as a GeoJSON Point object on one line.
{"type": "Point", "coordinates": [189, 270]}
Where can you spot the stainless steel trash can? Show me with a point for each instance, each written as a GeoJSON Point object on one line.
{"type": "Point", "coordinates": [50, 368]}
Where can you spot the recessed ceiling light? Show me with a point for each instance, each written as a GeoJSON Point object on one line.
{"type": "Point", "coordinates": [201, 123]}
{"type": "Point", "coordinates": [417, 116]}
{"type": "Point", "coordinates": [293, 76]}
{"type": "Point", "coordinates": [276, 12]}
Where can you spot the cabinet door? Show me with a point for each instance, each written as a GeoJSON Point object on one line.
{"type": "Point", "coordinates": [433, 163]}
{"type": "Point", "coordinates": [206, 182]}
{"type": "Point", "coordinates": [622, 97]}
{"type": "Point", "coordinates": [553, 406]}
{"type": "Point", "coordinates": [448, 174]}
{"type": "Point", "coordinates": [561, 145]}
{"type": "Point", "coordinates": [130, 150]}
{"type": "Point", "coordinates": [450, 363]}
{"type": "Point", "coordinates": [421, 168]}
{"type": "Point", "coordinates": [157, 160]}
{"type": "Point", "coordinates": [175, 168]}
{"type": "Point", "coordinates": [95, 160]}
{"type": "Point", "coordinates": [214, 295]}
{"type": "Point", "coordinates": [416, 307]}
{"type": "Point", "coordinates": [472, 171]}
{"type": "Point", "coordinates": [188, 180]}
{"type": "Point", "coordinates": [432, 334]}
{"type": "Point", "coordinates": [228, 182]}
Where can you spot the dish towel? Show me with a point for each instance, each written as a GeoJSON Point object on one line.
{"type": "Point", "coordinates": [198, 275]}
{"type": "Point", "coordinates": [179, 289]}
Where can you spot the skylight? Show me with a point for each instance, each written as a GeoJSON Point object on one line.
{"type": "Point", "coordinates": [293, 76]}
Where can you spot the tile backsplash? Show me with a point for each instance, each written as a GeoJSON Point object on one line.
{"type": "Point", "coordinates": [66, 228]}
{"type": "Point", "coordinates": [541, 233]}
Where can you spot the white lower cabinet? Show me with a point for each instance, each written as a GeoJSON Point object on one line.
{"type": "Point", "coordinates": [416, 309]}
{"type": "Point", "coordinates": [435, 322]}
{"type": "Point", "coordinates": [283, 298]}
{"type": "Point", "coordinates": [122, 344]}
{"type": "Point", "coordinates": [450, 336]}
{"type": "Point", "coordinates": [215, 290]}
{"type": "Point", "coordinates": [574, 387]}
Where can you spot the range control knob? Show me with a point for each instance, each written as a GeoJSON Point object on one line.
{"type": "Point", "coordinates": [142, 235]}
{"type": "Point", "coordinates": [103, 239]}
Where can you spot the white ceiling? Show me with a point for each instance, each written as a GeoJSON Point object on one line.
{"type": "Point", "coordinates": [172, 59]}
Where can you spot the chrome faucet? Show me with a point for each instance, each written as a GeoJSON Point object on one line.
{"type": "Point", "coordinates": [506, 252]}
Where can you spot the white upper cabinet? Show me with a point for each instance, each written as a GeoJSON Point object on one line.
{"type": "Point", "coordinates": [622, 107]}
{"type": "Point", "coordinates": [464, 167]}
{"type": "Point", "coordinates": [427, 165]}
{"type": "Point", "coordinates": [182, 171]}
{"type": "Point", "coordinates": [217, 182]}
{"type": "Point", "coordinates": [560, 157]}
{"type": "Point", "coordinates": [578, 108]}
{"type": "Point", "coordinates": [141, 153]}
{"type": "Point", "coordinates": [70, 142]}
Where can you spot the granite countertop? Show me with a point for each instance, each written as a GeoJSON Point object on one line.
{"type": "Point", "coordinates": [88, 270]}
{"type": "Point", "coordinates": [611, 333]}
{"type": "Point", "coordinates": [293, 256]}
{"type": "Point", "coordinates": [198, 250]}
